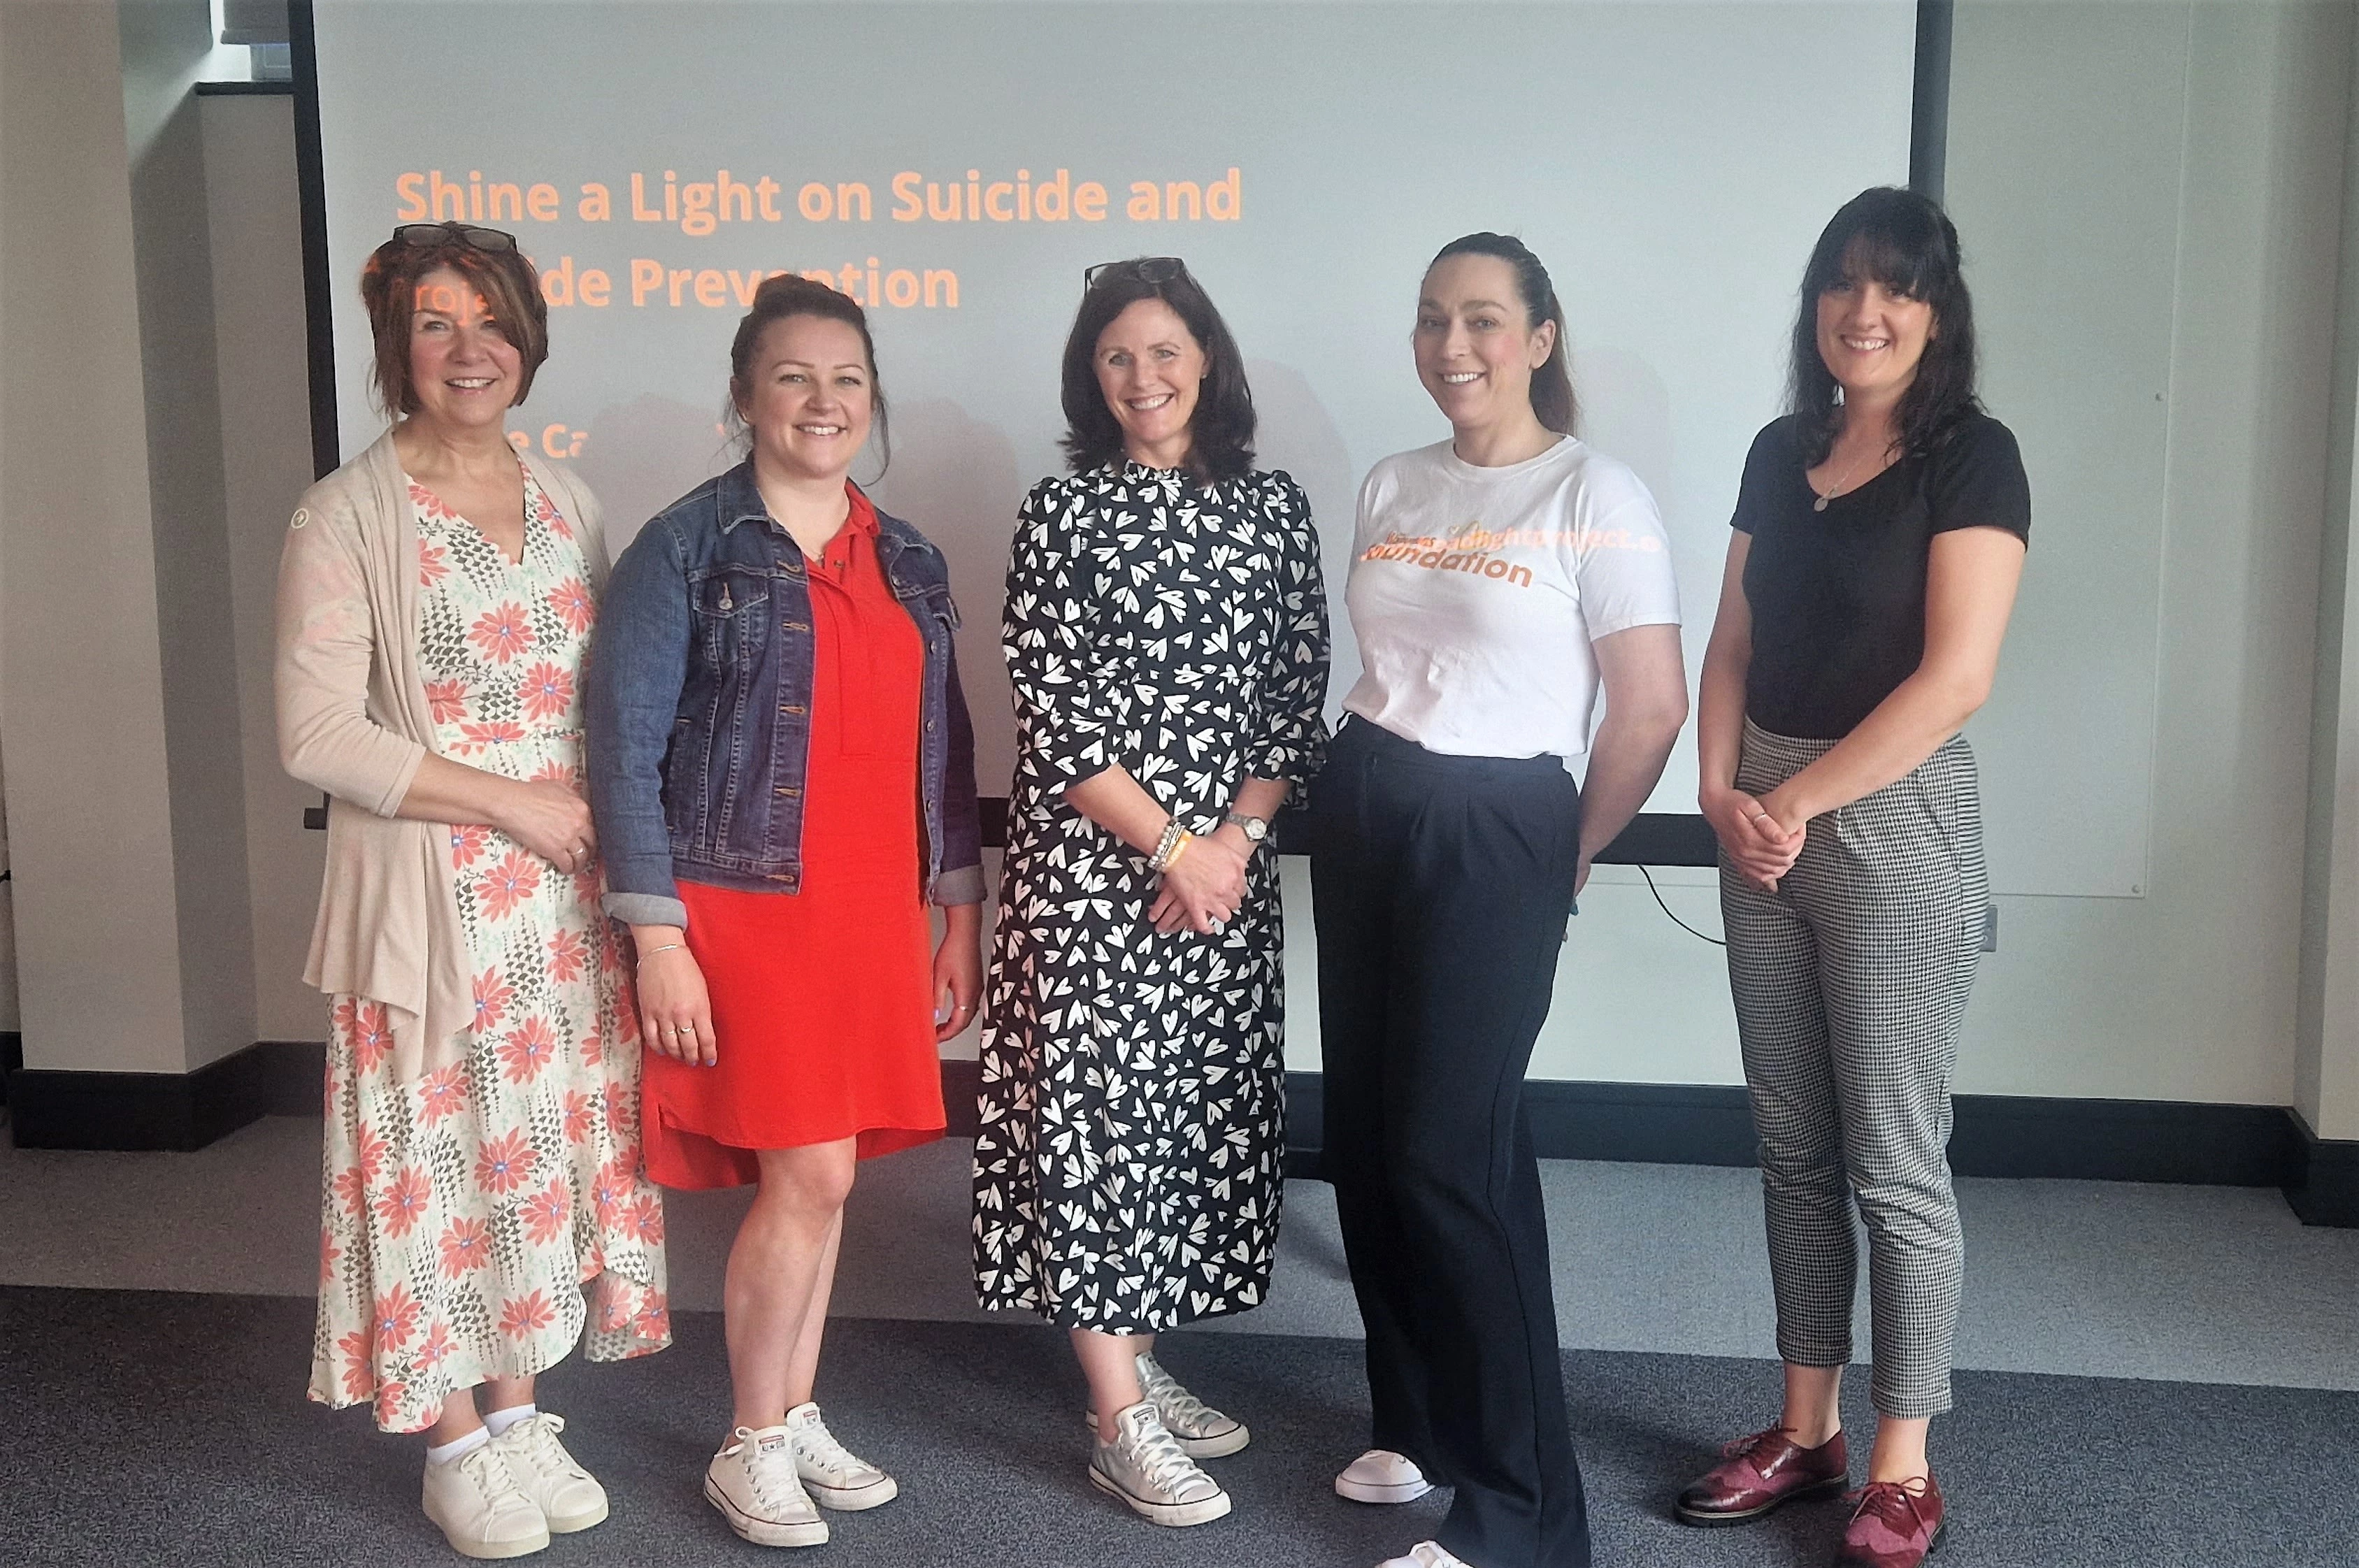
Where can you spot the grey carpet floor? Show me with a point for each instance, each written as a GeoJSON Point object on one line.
{"type": "Point", "coordinates": [143, 1426]}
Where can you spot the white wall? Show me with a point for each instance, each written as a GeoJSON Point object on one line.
{"type": "Point", "coordinates": [2223, 124]}
{"type": "Point", "coordinates": [258, 280]}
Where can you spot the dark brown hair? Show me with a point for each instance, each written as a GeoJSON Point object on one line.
{"type": "Point", "coordinates": [789, 295]}
{"type": "Point", "coordinates": [505, 280]}
{"type": "Point", "coordinates": [1221, 432]}
{"type": "Point", "coordinates": [1906, 243]}
{"type": "Point", "coordinates": [1552, 399]}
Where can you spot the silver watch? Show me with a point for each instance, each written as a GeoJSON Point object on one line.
{"type": "Point", "coordinates": [1254, 828]}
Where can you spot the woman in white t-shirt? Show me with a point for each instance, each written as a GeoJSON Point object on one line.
{"type": "Point", "coordinates": [1499, 579]}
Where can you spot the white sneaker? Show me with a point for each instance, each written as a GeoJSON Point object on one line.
{"type": "Point", "coordinates": [834, 1475]}
{"type": "Point", "coordinates": [480, 1508]}
{"type": "Point", "coordinates": [1380, 1475]}
{"type": "Point", "coordinates": [567, 1496]}
{"type": "Point", "coordinates": [1427, 1554]}
{"type": "Point", "coordinates": [754, 1485]}
{"type": "Point", "coordinates": [1202, 1430]}
{"type": "Point", "coordinates": [1146, 1467]}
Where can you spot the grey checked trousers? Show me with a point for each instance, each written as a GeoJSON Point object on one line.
{"type": "Point", "coordinates": [1850, 983]}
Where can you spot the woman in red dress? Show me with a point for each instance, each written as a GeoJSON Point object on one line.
{"type": "Point", "coordinates": [782, 772]}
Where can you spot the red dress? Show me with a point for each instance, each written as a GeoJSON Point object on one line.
{"type": "Point", "coordinates": [823, 999]}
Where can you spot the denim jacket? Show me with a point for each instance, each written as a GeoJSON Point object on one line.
{"type": "Point", "coordinates": [697, 707]}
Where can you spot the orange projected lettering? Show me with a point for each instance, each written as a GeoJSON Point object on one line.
{"type": "Point", "coordinates": [732, 200]}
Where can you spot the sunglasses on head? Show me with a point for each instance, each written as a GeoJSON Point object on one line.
{"type": "Point", "coordinates": [1145, 269]}
{"type": "Point", "coordinates": [459, 234]}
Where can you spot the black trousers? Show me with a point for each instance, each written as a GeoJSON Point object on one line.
{"type": "Point", "coordinates": [1441, 886]}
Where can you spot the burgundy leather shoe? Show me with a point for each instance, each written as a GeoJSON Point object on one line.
{"type": "Point", "coordinates": [1896, 1524]}
{"type": "Point", "coordinates": [1762, 1473]}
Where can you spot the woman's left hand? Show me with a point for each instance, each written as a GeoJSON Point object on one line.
{"type": "Point", "coordinates": [958, 970]}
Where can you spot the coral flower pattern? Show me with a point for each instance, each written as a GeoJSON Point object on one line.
{"type": "Point", "coordinates": [484, 1220]}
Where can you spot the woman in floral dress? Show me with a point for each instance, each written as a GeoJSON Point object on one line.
{"type": "Point", "coordinates": [483, 1202]}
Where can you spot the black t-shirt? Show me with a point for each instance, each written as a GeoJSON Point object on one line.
{"type": "Point", "coordinates": [1837, 596]}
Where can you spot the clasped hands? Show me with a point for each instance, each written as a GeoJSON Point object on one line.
{"type": "Point", "coordinates": [1203, 889]}
{"type": "Point", "coordinates": [1763, 835]}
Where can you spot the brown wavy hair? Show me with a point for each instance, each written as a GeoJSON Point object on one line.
{"type": "Point", "coordinates": [505, 279]}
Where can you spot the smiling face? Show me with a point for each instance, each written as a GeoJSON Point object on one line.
{"type": "Point", "coordinates": [1872, 338]}
{"type": "Point", "coordinates": [1476, 345]}
{"type": "Point", "coordinates": [1150, 369]}
{"type": "Point", "coordinates": [464, 371]}
{"type": "Point", "coordinates": [810, 397]}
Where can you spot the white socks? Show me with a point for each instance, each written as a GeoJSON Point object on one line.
{"type": "Point", "coordinates": [494, 1424]}
{"type": "Point", "coordinates": [499, 1422]}
{"type": "Point", "coordinates": [458, 1447]}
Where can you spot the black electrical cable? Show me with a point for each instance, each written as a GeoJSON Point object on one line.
{"type": "Point", "coordinates": [1658, 892]}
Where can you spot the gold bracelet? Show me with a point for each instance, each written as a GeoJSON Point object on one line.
{"type": "Point", "coordinates": [1177, 849]}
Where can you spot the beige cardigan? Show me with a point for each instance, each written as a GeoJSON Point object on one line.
{"type": "Point", "coordinates": [353, 721]}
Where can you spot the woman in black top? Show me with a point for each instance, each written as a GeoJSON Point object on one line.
{"type": "Point", "coordinates": [1880, 538]}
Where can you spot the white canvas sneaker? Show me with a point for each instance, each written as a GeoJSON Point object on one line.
{"type": "Point", "coordinates": [1380, 1475]}
{"type": "Point", "coordinates": [754, 1485]}
{"type": "Point", "coordinates": [835, 1476]}
{"type": "Point", "coordinates": [1204, 1432]}
{"type": "Point", "coordinates": [1427, 1554]}
{"type": "Point", "coordinates": [482, 1512]}
{"type": "Point", "coordinates": [567, 1496]}
{"type": "Point", "coordinates": [1146, 1467]}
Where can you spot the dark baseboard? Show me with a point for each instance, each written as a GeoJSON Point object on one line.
{"type": "Point", "coordinates": [2323, 1185]}
{"type": "Point", "coordinates": [1995, 1135]}
{"type": "Point", "coordinates": [53, 1109]}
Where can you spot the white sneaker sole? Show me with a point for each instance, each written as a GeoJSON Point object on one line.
{"type": "Point", "coordinates": [1176, 1515]}
{"type": "Point", "coordinates": [1383, 1492]}
{"type": "Point", "coordinates": [1219, 1446]}
{"type": "Point", "coordinates": [490, 1551]}
{"type": "Point", "coordinates": [854, 1500]}
{"type": "Point", "coordinates": [765, 1532]}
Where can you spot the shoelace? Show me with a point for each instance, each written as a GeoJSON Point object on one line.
{"type": "Point", "coordinates": [1747, 1447]}
{"type": "Point", "coordinates": [537, 1442]}
{"type": "Point", "coordinates": [1894, 1502]}
{"type": "Point", "coordinates": [1161, 1458]}
{"type": "Point", "coordinates": [491, 1478]}
{"type": "Point", "coordinates": [776, 1485]}
{"type": "Point", "coordinates": [820, 1447]}
{"type": "Point", "coordinates": [1173, 1403]}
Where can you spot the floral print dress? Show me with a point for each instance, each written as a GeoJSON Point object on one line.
{"type": "Point", "coordinates": [478, 1220]}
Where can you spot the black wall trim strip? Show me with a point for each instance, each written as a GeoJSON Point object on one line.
{"type": "Point", "coordinates": [245, 89]}
{"type": "Point", "coordinates": [12, 1060]}
{"type": "Point", "coordinates": [1997, 1135]}
{"type": "Point", "coordinates": [1929, 115]}
{"type": "Point", "coordinates": [312, 191]}
{"type": "Point", "coordinates": [1652, 839]}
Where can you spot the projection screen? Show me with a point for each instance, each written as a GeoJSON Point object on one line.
{"type": "Point", "coordinates": [957, 166]}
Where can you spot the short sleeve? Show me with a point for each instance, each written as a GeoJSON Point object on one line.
{"type": "Point", "coordinates": [1977, 482]}
{"type": "Point", "coordinates": [1769, 462]}
{"type": "Point", "coordinates": [1622, 555]}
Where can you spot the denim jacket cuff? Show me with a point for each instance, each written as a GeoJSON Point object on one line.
{"type": "Point", "coordinates": [651, 909]}
{"type": "Point", "coordinates": [963, 886]}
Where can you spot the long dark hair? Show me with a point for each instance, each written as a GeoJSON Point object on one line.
{"type": "Point", "coordinates": [1221, 430]}
{"type": "Point", "coordinates": [1552, 400]}
{"type": "Point", "coordinates": [1906, 243]}
{"type": "Point", "coordinates": [789, 294]}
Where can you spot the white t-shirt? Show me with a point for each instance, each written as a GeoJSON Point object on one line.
{"type": "Point", "coordinates": [1476, 592]}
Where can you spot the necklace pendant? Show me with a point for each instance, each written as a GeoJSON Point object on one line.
{"type": "Point", "coordinates": [1821, 503]}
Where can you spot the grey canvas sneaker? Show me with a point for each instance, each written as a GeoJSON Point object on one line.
{"type": "Point", "coordinates": [1146, 1467]}
{"type": "Point", "coordinates": [1204, 1432]}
